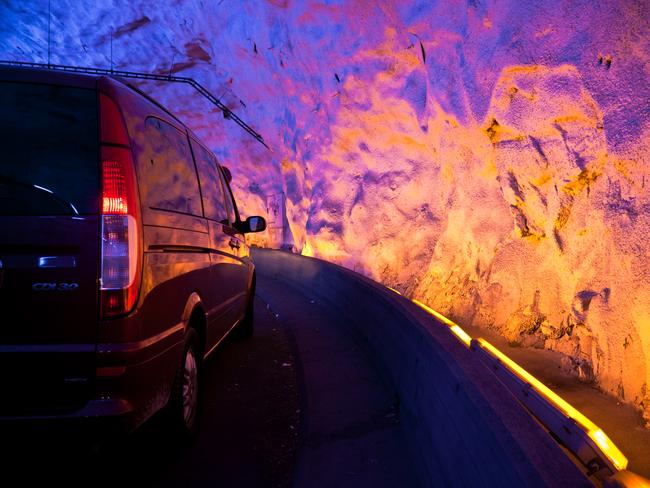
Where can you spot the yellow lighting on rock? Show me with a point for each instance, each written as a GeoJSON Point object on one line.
{"type": "Point", "coordinates": [595, 433]}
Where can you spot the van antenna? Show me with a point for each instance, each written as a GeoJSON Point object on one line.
{"type": "Point", "coordinates": [151, 77]}
{"type": "Point", "coordinates": [111, 49]}
{"type": "Point", "coordinates": [171, 66]}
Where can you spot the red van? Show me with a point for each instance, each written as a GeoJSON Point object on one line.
{"type": "Point", "coordinates": [123, 258]}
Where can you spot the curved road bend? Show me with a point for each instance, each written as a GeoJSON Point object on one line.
{"type": "Point", "coordinates": [300, 404]}
{"type": "Point", "coordinates": [350, 431]}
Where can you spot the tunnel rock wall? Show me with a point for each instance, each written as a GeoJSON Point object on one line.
{"type": "Point", "coordinates": [489, 158]}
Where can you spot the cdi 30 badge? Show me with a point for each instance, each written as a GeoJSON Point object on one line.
{"type": "Point", "coordinates": [54, 286]}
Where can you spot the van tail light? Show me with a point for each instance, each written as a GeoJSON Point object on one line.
{"type": "Point", "coordinates": [120, 246]}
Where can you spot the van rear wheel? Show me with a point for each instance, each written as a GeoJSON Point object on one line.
{"type": "Point", "coordinates": [183, 406]}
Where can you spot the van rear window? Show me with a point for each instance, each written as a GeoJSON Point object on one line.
{"type": "Point", "coordinates": [49, 163]}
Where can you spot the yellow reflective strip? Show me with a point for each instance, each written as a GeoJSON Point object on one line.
{"type": "Point", "coordinates": [593, 431]}
{"type": "Point", "coordinates": [454, 327]}
{"type": "Point", "coordinates": [437, 315]}
{"type": "Point", "coordinates": [393, 289]}
{"type": "Point", "coordinates": [461, 334]}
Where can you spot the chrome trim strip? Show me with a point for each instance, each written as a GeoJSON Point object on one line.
{"type": "Point", "coordinates": [57, 262]}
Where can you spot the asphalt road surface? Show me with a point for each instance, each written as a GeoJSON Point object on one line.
{"type": "Point", "coordinates": [299, 404]}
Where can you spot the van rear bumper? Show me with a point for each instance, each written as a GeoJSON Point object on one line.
{"type": "Point", "coordinates": [99, 418]}
{"type": "Point", "coordinates": [130, 383]}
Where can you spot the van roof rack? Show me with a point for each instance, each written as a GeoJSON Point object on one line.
{"type": "Point", "coordinates": [227, 113]}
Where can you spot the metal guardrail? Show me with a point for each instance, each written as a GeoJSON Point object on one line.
{"type": "Point", "coordinates": [576, 432]}
{"type": "Point", "coordinates": [580, 435]}
{"type": "Point", "coordinates": [227, 113]}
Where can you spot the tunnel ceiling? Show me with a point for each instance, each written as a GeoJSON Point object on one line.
{"type": "Point", "coordinates": [489, 158]}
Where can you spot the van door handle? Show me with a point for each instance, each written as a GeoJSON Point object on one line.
{"type": "Point", "coordinates": [234, 244]}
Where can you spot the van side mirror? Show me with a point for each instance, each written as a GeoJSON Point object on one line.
{"type": "Point", "coordinates": [253, 224]}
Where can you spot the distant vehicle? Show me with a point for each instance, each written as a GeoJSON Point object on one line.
{"type": "Point", "coordinates": [123, 261]}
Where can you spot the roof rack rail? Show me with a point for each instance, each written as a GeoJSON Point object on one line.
{"type": "Point", "coordinates": [227, 113]}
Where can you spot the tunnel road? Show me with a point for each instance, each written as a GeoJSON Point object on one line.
{"type": "Point", "coordinates": [345, 383]}
{"type": "Point", "coordinates": [299, 404]}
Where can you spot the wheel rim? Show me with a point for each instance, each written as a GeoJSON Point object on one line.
{"type": "Point", "coordinates": [190, 388]}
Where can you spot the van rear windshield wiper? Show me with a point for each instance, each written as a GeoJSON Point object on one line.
{"type": "Point", "coordinates": [31, 188]}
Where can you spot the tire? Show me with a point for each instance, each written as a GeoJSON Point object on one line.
{"type": "Point", "coordinates": [246, 327]}
{"type": "Point", "coordinates": [183, 408]}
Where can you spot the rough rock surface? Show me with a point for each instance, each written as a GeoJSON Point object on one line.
{"type": "Point", "coordinates": [489, 158]}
